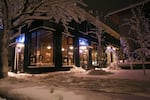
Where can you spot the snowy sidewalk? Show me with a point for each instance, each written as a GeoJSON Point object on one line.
{"type": "Point", "coordinates": [43, 93]}
{"type": "Point", "coordinates": [46, 93]}
{"type": "Point", "coordinates": [120, 74]}
{"type": "Point", "coordinates": [63, 86]}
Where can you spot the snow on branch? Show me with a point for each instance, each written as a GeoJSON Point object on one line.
{"type": "Point", "coordinates": [60, 10]}
{"type": "Point", "coordinates": [23, 11]}
{"type": "Point", "coordinates": [82, 3]}
{"type": "Point", "coordinates": [30, 18]}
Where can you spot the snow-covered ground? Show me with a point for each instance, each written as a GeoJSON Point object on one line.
{"type": "Point", "coordinates": [121, 74]}
{"type": "Point", "coordinates": [77, 85]}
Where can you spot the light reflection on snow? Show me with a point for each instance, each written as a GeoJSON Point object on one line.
{"type": "Point", "coordinates": [18, 75]}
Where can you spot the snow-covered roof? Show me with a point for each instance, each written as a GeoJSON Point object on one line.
{"type": "Point", "coordinates": [101, 25]}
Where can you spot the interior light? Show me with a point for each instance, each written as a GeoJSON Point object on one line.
{"type": "Point", "coordinates": [71, 47]}
{"type": "Point", "coordinates": [19, 49]}
{"type": "Point", "coordinates": [86, 50]}
{"type": "Point", "coordinates": [20, 45]}
{"type": "Point", "coordinates": [114, 49]}
{"type": "Point", "coordinates": [109, 47]}
{"type": "Point", "coordinates": [83, 47]}
{"type": "Point", "coordinates": [81, 51]}
{"type": "Point", "coordinates": [63, 49]}
{"type": "Point", "coordinates": [49, 47]}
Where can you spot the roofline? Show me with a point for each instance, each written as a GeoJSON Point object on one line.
{"type": "Point", "coordinates": [101, 25]}
{"type": "Point", "coordinates": [128, 7]}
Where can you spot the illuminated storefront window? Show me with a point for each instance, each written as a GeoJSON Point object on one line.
{"type": "Point", "coordinates": [94, 54]}
{"type": "Point", "coordinates": [18, 53]}
{"type": "Point", "coordinates": [41, 53]}
{"type": "Point", "coordinates": [67, 50]}
{"type": "Point", "coordinates": [84, 52]}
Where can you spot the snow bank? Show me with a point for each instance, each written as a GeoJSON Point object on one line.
{"type": "Point", "coordinates": [19, 75]}
{"type": "Point", "coordinates": [77, 69]}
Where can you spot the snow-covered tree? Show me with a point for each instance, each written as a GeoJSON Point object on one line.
{"type": "Point", "coordinates": [140, 29]}
{"type": "Point", "coordinates": [125, 47]}
{"type": "Point", "coordinates": [100, 48]}
{"type": "Point", "coordinates": [12, 12]}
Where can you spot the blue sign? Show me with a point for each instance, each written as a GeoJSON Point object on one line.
{"type": "Point", "coordinates": [20, 38]}
{"type": "Point", "coordinates": [83, 42]}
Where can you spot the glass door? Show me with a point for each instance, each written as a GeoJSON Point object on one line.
{"type": "Point", "coordinates": [84, 56]}
{"type": "Point", "coordinates": [19, 58]}
{"type": "Point", "coordinates": [84, 52]}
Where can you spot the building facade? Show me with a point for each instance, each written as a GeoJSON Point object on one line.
{"type": "Point", "coordinates": [45, 44]}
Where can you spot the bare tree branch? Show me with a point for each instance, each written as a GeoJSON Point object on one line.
{"type": "Point", "coordinates": [34, 9]}
{"type": "Point", "coordinates": [30, 12]}
{"type": "Point", "coordinates": [22, 11]}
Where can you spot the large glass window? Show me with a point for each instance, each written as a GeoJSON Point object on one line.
{"type": "Point", "coordinates": [41, 53]}
{"type": "Point", "coordinates": [94, 54]}
{"type": "Point", "coordinates": [84, 52]}
{"type": "Point", "coordinates": [67, 50]}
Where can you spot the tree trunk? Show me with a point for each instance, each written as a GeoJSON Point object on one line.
{"type": "Point", "coordinates": [99, 49]}
{"type": "Point", "coordinates": [4, 55]}
{"type": "Point", "coordinates": [4, 40]}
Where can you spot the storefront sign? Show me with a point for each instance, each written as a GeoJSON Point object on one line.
{"type": "Point", "coordinates": [20, 38]}
{"type": "Point", "coordinates": [83, 42]}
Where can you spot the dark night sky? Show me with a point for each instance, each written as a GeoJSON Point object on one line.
{"type": "Point", "coordinates": [107, 6]}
